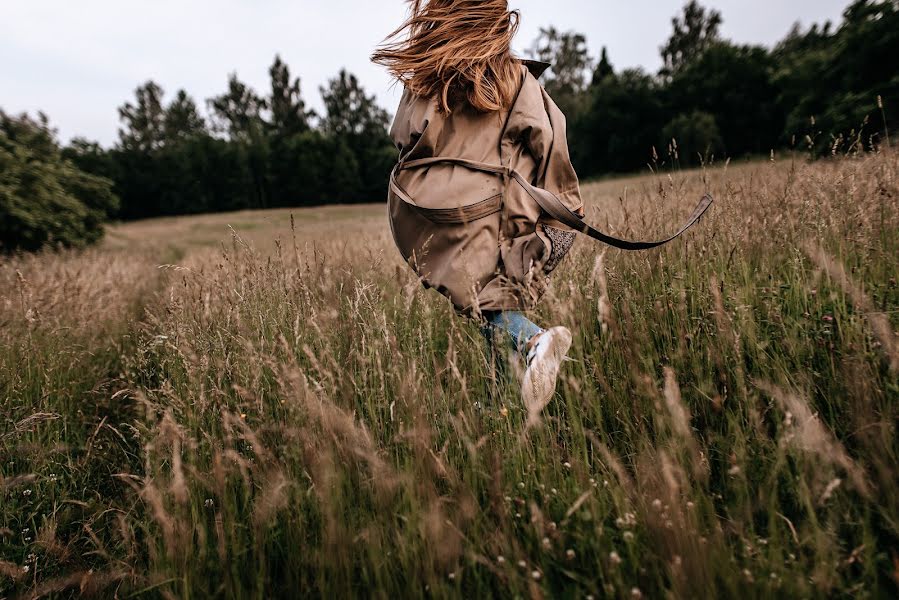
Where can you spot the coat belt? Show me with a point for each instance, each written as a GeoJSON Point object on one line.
{"type": "Point", "coordinates": [548, 201]}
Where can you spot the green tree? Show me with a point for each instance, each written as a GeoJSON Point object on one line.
{"type": "Point", "coordinates": [603, 68]}
{"type": "Point", "coordinates": [567, 79]}
{"type": "Point", "coordinates": [239, 111]}
{"type": "Point", "coordinates": [143, 122]}
{"type": "Point", "coordinates": [693, 137]}
{"type": "Point", "coordinates": [693, 34]}
{"type": "Point", "coordinates": [45, 200]}
{"type": "Point", "coordinates": [288, 110]}
{"type": "Point", "coordinates": [182, 119]}
{"type": "Point", "coordinates": [349, 110]}
{"type": "Point", "coordinates": [830, 80]}
{"type": "Point", "coordinates": [734, 84]}
{"type": "Point", "coordinates": [355, 121]}
{"type": "Point", "coordinates": [620, 126]}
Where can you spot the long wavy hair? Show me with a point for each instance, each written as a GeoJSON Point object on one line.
{"type": "Point", "coordinates": [455, 49]}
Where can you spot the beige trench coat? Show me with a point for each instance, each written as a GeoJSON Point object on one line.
{"type": "Point", "coordinates": [466, 232]}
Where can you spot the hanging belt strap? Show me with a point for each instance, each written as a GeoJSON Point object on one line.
{"type": "Point", "coordinates": [554, 207]}
{"type": "Point", "coordinates": [548, 201]}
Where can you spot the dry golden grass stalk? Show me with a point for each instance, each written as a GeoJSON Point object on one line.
{"type": "Point", "coordinates": [810, 435]}
{"type": "Point", "coordinates": [880, 324]}
{"type": "Point", "coordinates": [12, 570]}
{"type": "Point", "coordinates": [271, 499]}
{"type": "Point", "coordinates": [85, 584]}
{"type": "Point", "coordinates": [603, 304]}
{"type": "Point", "coordinates": [680, 416]}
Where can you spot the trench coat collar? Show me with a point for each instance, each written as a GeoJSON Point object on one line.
{"type": "Point", "coordinates": [536, 67]}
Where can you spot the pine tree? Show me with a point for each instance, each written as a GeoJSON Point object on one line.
{"type": "Point", "coordinates": [566, 80]}
{"type": "Point", "coordinates": [349, 111]}
{"type": "Point", "coordinates": [182, 119]}
{"type": "Point", "coordinates": [238, 112]}
{"type": "Point", "coordinates": [693, 34]}
{"type": "Point", "coordinates": [144, 122]}
{"type": "Point", "coordinates": [288, 110]}
{"type": "Point", "coordinates": [603, 69]}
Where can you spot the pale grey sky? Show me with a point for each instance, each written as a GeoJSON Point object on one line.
{"type": "Point", "coordinates": [79, 60]}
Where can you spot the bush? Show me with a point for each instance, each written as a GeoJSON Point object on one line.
{"type": "Point", "coordinates": [44, 199]}
{"type": "Point", "coordinates": [695, 137]}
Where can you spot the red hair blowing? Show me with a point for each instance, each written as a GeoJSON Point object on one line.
{"type": "Point", "coordinates": [455, 49]}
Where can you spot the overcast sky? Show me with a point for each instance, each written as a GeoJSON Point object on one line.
{"type": "Point", "coordinates": [78, 60]}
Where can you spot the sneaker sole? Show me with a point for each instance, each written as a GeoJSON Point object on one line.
{"type": "Point", "coordinates": [539, 383]}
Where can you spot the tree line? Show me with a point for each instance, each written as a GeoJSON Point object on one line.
{"type": "Point", "coordinates": [820, 90]}
{"type": "Point", "coordinates": [252, 151]}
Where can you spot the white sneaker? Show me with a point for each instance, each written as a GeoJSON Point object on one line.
{"type": "Point", "coordinates": [543, 362]}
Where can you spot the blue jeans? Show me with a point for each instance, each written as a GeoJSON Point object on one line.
{"type": "Point", "coordinates": [517, 326]}
{"type": "Point", "coordinates": [516, 330]}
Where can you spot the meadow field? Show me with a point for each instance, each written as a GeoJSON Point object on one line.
{"type": "Point", "coordinates": [267, 404]}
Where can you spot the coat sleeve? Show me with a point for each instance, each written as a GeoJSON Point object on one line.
{"type": "Point", "coordinates": [546, 139]}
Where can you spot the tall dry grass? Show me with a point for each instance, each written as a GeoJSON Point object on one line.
{"type": "Point", "coordinates": [265, 419]}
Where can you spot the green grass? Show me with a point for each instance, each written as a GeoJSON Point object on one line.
{"type": "Point", "coordinates": [267, 420]}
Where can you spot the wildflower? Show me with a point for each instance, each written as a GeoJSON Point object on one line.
{"type": "Point", "coordinates": [26, 568]}
{"type": "Point", "coordinates": [628, 535]}
{"type": "Point", "coordinates": [546, 543]}
{"type": "Point", "coordinates": [521, 485]}
{"type": "Point", "coordinates": [536, 575]}
{"type": "Point", "coordinates": [657, 504]}
{"type": "Point", "coordinates": [522, 564]}
{"type": "Point", "coordinates": [827, 318]}
{"type": "Point", "coordinates": [500, 560]}
{"type": "Point", "coordinates": [53, 477]}
{"type": "Point", "coordinates": [614, 558]}
{"type": "Point", "coordinates": [734, 470]}
{"type": "Point", "coordinates": [553, 491]}
{"type": "Point", "coordinates": [690, 504]}
{"type": "Point", "coordinates": [209, 503]}
{"type": "Point", "coordinates": [566, 464]}
{"type": "Point", "coordinates": [636, 593]}
{"type": "Point", "coordinates": [569, 554]}
{"type": "Point", "coordinates": [452, 576]}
